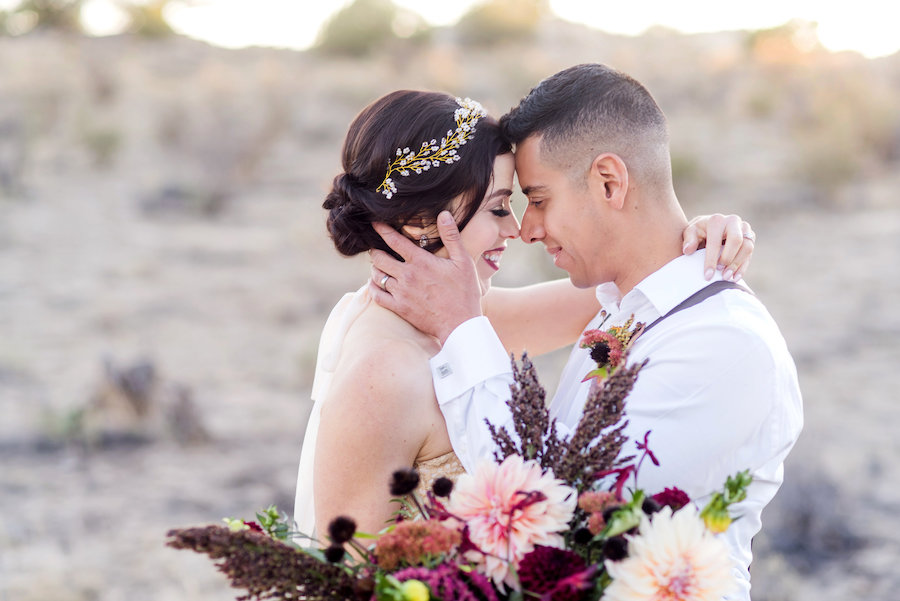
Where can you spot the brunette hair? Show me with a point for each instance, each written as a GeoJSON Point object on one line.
{"type": "Point", "coordinates": [402, 119]}
{"type": "Point", "coordinates": [588, 109]}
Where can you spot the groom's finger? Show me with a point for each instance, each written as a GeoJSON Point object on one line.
{"type": "Point", "coordinates": [384, 264]}
{"type": "Point", "coordinates": [397, 241]}
{"type": "Point", "coordinates": [451, 238]}
{"type": "Point", "coordinates": [383, 296]}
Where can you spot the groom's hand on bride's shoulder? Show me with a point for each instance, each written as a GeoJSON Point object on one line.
{"type": "Point", "coordinates": [435, 294]}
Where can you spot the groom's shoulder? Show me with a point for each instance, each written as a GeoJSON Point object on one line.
{"type": "Point", "coordinates": [732, 318]}
{"type": "Point", "coordinates": [744, 311]}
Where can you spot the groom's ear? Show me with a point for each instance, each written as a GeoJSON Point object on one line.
{"type": "Point", "coordinates": [608, 178]}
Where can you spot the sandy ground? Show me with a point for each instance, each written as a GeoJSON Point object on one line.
{"type": "Point", "coordinates": [230, 308]}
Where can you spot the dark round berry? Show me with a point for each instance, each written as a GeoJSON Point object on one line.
{"type": "Point", "coordinates": [609, 511]}
{"type": "Point", "coordinates": [334, 553]}
{"type": "Point", "coordinates": [650, 506]}
{"type": "Point", "coordinates": [341, 529]}
{"type": "Point", "coordinates": [615, 548]}
{"type": "Point", "coordinates": [442, 487]}
{"type": "Point", "coordinates": [600, 353]}
{"type": "Point", "coordinates": [404, 482]}
{"type": "Point", "coordinates": [582, 536]}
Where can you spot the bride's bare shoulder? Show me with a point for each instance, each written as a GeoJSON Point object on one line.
{"type": "Point", "coordinates": [386, 364]}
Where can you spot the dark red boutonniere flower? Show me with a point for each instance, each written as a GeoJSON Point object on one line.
{"type": "Point", "coordinates": [608, 347]}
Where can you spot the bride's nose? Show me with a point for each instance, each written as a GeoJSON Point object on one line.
{"type": "Point", "coordinates": [510, 228]}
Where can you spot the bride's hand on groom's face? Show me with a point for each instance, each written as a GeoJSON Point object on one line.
{"type": "Point", "coordinates": [434, 294]}
{"type": "Point", "coordinates": [729, 242]}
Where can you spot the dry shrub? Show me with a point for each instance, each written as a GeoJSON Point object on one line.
{"type": "Point", "coordinates": [62, 15]}
{"type": "Point", "coordinates": [366, 26]}
{"type": "Point", "coordinates": [500, 21]}
{"type": "Point", "coordinates": [845, 126]}
{"type": "Point", "coordinates": [148, 20]}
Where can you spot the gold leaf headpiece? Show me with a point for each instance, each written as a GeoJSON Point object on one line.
{"type": "Point", "coordinates": [431, 154]}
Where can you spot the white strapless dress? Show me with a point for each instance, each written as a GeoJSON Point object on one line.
{"type": "Point", "coordinates": [342, 317]}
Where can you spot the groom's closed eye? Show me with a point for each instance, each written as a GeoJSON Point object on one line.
{"type": "Point", "coordinates": [536, 195]}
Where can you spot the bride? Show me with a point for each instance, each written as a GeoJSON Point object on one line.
{"type": "Point", "coordinates": [408, 156]}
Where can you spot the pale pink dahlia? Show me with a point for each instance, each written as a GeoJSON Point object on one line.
{"type": "Point", "coordinates": [672, 558]}
{"type": "Point", "coordinates": [509, 508]}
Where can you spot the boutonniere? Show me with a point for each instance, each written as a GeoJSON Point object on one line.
{"type": "Point", "coordinates": [608, 347]}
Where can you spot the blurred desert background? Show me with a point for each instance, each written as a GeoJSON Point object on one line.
{"type": "Point", "coordinates": [165, 272]}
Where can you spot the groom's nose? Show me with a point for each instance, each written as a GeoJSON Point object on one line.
{"type": "Point", "coordinates": [531, 230]}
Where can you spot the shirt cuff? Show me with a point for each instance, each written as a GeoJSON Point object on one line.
{"type": "Point", "coordinates": [471, 354]}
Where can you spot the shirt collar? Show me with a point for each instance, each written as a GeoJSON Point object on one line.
{"type": "Point", "coordinates": [665, 288]}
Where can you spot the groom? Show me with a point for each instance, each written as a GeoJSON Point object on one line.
{"type": "Point", "coordinates": [719, 393]}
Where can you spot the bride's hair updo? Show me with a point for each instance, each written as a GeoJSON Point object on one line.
{"type": "Point", "coordinates": [399, 120]}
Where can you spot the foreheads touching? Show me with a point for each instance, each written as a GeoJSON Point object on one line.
{"type": "Point", "coordinates": [588, 110]}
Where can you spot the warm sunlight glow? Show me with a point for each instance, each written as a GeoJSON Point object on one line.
{"type": "Point", "coordinates": [866, 26]}
{"type": "Point", "coordinates": [241, 23]}
{"type": "Point", "coordinates": [863, 25]}
{"type": "Point", "coordinates": [103, 17]}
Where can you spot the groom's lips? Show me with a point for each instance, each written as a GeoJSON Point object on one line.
{"type": "Point", "coordinates": [555, 252]}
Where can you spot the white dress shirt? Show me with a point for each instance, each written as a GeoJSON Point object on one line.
{"type": "Point", "coordinates": [719, 393]}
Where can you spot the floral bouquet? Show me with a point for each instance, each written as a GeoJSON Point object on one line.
{"type": "Point", "coordinates": [550, 519]}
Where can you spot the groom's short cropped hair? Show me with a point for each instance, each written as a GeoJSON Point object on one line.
{"type": "Point", "coordinates": [589, 109]}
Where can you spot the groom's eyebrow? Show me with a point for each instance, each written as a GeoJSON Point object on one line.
{"type": "Point", "coordinates": [529, 190]}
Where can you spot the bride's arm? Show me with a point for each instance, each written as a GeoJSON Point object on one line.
{"type": "Point", "coordinates": [370, 427]}
{"type": "Point", "coordinates": [547, 316]}
{"type": "Point", "coordinates": [541, 317]}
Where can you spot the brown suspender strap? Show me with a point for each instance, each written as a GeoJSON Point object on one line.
{"type": "Point", "coordinates": [698, 297]}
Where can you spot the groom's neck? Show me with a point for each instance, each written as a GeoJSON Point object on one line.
{"type": "Point", "coordinates": [655, 238]}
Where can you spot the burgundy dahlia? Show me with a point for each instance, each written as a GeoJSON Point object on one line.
{"type": "Point", "coordinates": [556, 574]}
{"type": "Point", "coordinates": [673, 497]}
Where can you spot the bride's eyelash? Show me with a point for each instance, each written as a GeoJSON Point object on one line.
{"type": "Point", "coordinates": [500, 212]}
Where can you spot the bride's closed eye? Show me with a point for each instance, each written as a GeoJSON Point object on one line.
{"type": "Point", "coordinates": [503, 208]}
